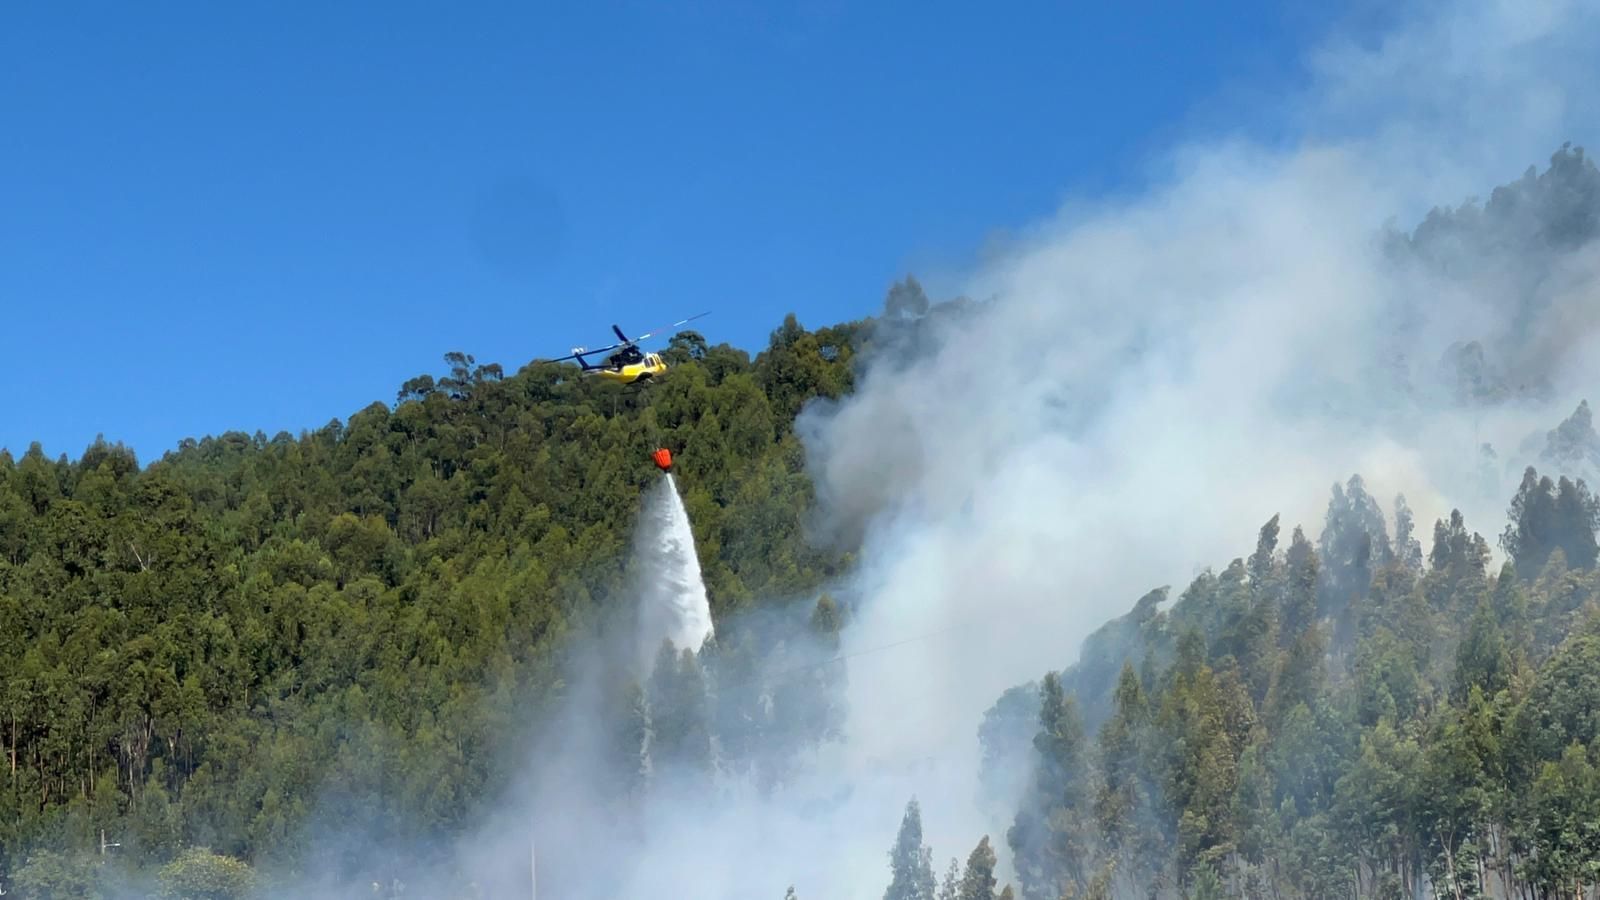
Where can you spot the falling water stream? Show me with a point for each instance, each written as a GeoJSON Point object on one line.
{"type": "Point", "coordinates": [672, 601]}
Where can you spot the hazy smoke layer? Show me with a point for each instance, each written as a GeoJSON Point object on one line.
{"type": "Point", "coordinates": [672, 595]}
{"type": "Point", "coordinates": [1153, 379]}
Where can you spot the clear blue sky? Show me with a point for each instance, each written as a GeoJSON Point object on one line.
{"type": "Point", "coordinates": [264, 216]}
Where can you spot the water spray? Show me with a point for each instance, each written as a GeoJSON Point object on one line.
{"type": "Point", "coordinates": [672, 602]}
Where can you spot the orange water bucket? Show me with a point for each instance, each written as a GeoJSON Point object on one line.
{"type": "Point", "coordinates": [663, 458]}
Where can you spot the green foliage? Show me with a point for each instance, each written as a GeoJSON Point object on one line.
{"type": "Point", "coordinates": [1204, 884]}
{"type": "Point", "coordinates": [1354, 542]}
{"type": "Point", "coordinates": [1548, 516]}
{"type": "Point", "coordinates": [1050, 837]}
{"type": "Point", "coordinates": [910, 862]}
{"type": "Point", "coordinates": [1566, 830]}
{"type": "Point", "coordinates": [199, 874]}
{"type": "Point", "coordinates": [1436, 727]}
{"type": "Point", "coordinates": [680, 715]}
{"type": "Point", "coordinates": [48, 875]}
{"type": "Point", "coordinates": [950, 887]}
{"type": "Point", "coordinates": [221, 647]}
{"type": "Point", "coordinates": [978, 881]}
{"type": "Point", "coordinates": [1481, 658]}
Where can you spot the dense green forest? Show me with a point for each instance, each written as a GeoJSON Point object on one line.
{"type": "Point", "coordinates": [217, 649]}
{"type": "Point", "coordinates": [1345, 717]}
{"type": "Point", "coordinates": [205, 659]}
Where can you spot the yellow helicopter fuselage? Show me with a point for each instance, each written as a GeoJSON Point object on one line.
{"type": "Point", "coordinates": [632, 373]}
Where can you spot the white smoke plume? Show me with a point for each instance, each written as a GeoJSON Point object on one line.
{"type": "Point", "coordinates": [1146, 382]}
{"type": "Point", "coordinates": [1143, 384]}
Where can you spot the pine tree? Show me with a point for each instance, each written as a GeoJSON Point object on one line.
{"type": "Point", "coordinates": [1532, 532]}
{"type": "Point", "coordinates": [1481, 659]}
{"type": "Point", "coordinates": [1226, 627]}
{"type": "Point", "coordinates": [694, 696]}
{"type": "Point", "coordinates": [1263, 562]}
{"type": "Point", "coordinates": [733, 663]}
{"type": "Point", "coordinates": [1049, 839]}
{"type": "Point", "coordinates": [1119, 761]}
{"type": "Point", "coordinates": [978, 882]}
{"type": "Point", "coordinates": [1300, 603]}
{"type": "Point", "coordinates": [1459, 568]}
{"type": "Point", "coordinates": [1125, 808]}
{"type": "Point", "coordinates": [826, 622]}
{"type": "Point", "coordinates": [680, 720]}
{"type": "Point", "coordinates": [634, 741]}
{"type": "Point", "coordinates": [1510, 603]}
{"type": "Point", "coordinates": [1573, 443]}
{"type": "Point", "coordinates": [1566, 838]}
{"type": "Point", "coordinates": [950, 889]}
{"type": "Point", "coordinates": [1354, 543]}
{"type": "Point", "coordinates": [1407, 549]}
{"type": "Point", "coordinates": [1189, 655]}
{"type": "Point", "coordinates": [1300, 677]}
{"type": "Point", "coordinates": [1388, 680]}
{"type": "Point", "coordinates": [1575, 519]}
{"type": "Point", "coordinates": [1100, 884]}
{"type": "Point", "coordinates": [1257, 643]}
{"type": "Point", "coordinates": [1199, 762]}
{"type": "Point", "coordinates": [910, 862]}
{"type": "Point", "coordinates": [1206, 884]}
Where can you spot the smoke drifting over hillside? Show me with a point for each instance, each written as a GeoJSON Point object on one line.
{"type": "Point", "coordinates": [1143, 384]}
{"type": "Point", "coordinates": [1153, 379]}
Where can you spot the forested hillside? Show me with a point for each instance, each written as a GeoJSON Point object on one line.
{"type": "Point", "coordinates": [208, 661]}
{"type": "Point", "coordinates": [1345, 715]}
{"type": "Point", "coordinates": [253, 633]}
{"type": "Point", "coordinates": [1358, 707]}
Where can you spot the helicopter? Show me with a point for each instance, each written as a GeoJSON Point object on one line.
{"type": "Point", "coordinates": [625, 363]}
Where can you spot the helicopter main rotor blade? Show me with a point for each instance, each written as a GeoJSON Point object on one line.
{"type": "Point", "coordinates": [579, 352]}
{"type": "Point", "coordinates": [626, 341]}
{"type": "Point", "coordinates": [673, 325]}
